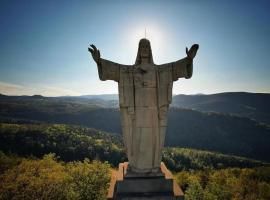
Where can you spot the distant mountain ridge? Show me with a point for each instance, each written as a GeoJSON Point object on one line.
{"type": "Point", "coordinates": [252, 105]}
{"type": "Point", "coordinates": [107, 97]}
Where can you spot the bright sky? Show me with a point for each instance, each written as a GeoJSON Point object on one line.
{"type": "Point", "coordinates": [43, 44]}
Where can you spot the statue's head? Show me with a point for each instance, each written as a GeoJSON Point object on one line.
{"type": "Point", "coordinates": [144, 51]}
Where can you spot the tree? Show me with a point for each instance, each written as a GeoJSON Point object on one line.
{"type": "Point", "coordinates": [88, 180]}
{"type": "Point", "coordinates": [194, 191]}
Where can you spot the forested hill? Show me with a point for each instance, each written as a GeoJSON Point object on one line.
{"type": "Point", "coordinates": [200, 174]}
{"type": "Point", "coordinates": [252, 105]}
{"type": "Point", "coordinates": [223, 133]}
{"type": "Point", "coordinates": [72, 143]}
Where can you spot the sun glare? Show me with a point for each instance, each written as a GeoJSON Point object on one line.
{"type": "Point", "coordinates": [150, 32]}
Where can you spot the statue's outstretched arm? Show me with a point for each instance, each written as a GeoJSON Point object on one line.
{"type": "Point", "coordinates": [183, 68]}
{"type": "Point", "coordinates": [107, 70]}
{"type": "Point", "coordinates": [95, 53]}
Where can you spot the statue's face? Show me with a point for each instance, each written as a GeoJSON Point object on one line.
{"type": "Point", "coordinates": [144, 50]}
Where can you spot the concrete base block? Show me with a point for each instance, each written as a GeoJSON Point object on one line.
{"type": "Point", "coordinates": [161, 186]}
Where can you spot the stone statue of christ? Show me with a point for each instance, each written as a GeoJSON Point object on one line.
{"type": "Point", "coordinates": [145, 92]}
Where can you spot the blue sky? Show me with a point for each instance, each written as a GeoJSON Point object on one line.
{"type": "Point", "coordinates": [44, 43]}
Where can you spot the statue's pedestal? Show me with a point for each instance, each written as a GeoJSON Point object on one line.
{"type": "Point", "coordinates": [125, 186]}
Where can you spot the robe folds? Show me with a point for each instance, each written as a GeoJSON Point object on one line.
{"type": "Point", "coordinates": [145, 93]}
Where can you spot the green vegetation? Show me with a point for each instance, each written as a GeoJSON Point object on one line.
{"type": "Point", "coordinates": [224, 133]}
{"type": "Point", "coordinates": [68, 142]}
{"type": "Point", "coordinates": [94, 113]}
{"type": "Point", "coordinates": [226, 184]}
{"type": "Point", "coordinates": [178, 159]}
{"type": "Point", "coordinates": [71, 143]}
{"type": "Point", "coordinates": [79, 167]}
{"type": "Point", "coordinates": [48, 179]}
{"type": "Point", "coordinates": [251, 105]}
{"type": "Point", "coordinates": [60, 161]}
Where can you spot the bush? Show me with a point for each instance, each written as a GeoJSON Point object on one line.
{"type": "Point", "coordinates": [226, 184]}
{"type": "Point", "coordinates": [48, 179]}
{"type": "Point", "coordinates": [88, 180]}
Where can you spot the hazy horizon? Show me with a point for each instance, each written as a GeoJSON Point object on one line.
{"type": "Point", "coordinates": [117, 94]}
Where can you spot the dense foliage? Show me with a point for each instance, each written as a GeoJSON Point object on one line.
{"type": "Point", "coordinates": [178, 159]}
{"type": "Point", "coordinates": [225, 133]}
{"type": "Point", "coordinates": [74, 172]}
{"type": "Point", "coordinates": [68, 142]}
{"type": "Point", "coordinates": [252, 105]}
{"type": "Point", "coordinates": [60, 161]}
{"type": "Point", "coordinates": [94, 113]}
{"type": "Point", "coordinates": [48, 179]}
{"type": "Point", "coordinates": [226, 184]}
{"type": "Point", "coordinates": [71, 143]}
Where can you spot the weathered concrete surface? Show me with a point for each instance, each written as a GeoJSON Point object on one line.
{"type": "Point", "coordinates": [140, 187]}
{"type": "Point", "coordinates": [145, 92]}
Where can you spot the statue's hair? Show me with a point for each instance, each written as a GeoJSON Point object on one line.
{"type": "Point", "coordinates": [138, 59]}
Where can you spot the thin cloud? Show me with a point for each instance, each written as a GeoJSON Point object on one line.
{"type": "Point", "coordinates": [57, 91]}
{"type": "Point", "coordinates": [13, 89]}
{"type": "Point", "coordinates": [45, 90]}
{"type": "Point", "coordinates": [5, 85]}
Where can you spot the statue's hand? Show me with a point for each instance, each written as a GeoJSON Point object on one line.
{"type": "Point", "coordinates": [95, 53]}
{"type": "Point", "coordinates": [191, 53]}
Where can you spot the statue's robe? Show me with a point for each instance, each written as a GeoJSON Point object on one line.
{"type": "Point", "coordinates": [145, 93]}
